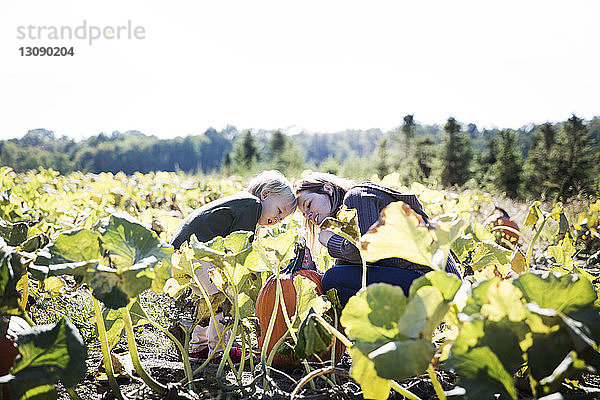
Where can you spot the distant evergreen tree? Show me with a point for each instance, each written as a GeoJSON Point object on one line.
{"type": "Point", "coordinates": [245, 153]}
{"type": "Point", "coordinates": [292, 160]}
{"type": "Point", "coordinates": [408, 128]}
{"type": "Point", "coordinates": [485, 160]}
{"type": "Point", "coordinates": [330, 165]}
{"type": "Point", "coordinates": [457, 155]}
{"type": "Point", "coordinates": [226, 170]}
{"type": "Point", "coordinates": [382, 166]}
{"type": "Point", "coordinates": [508, 167]}
{"type": "Point", "coordinates": [575, 159]}
{"type": "Point", "coordinates": [540, 169]}
{"type": "Point", "coordinates": [277, 146]}
{"type": "Point", "coordinates": [424, 158]}
{"type": "Point", "coordinates": [277, 143]}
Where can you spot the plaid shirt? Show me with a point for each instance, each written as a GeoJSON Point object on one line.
{"type": "Point", "coordinates": [369, 200]}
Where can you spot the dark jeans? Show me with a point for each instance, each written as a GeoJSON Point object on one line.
{"type": "Point", "coordinates": [346, 279]}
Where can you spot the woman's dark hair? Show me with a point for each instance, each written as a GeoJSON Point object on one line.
{"type": "Point", "coordinates": [315, 183]}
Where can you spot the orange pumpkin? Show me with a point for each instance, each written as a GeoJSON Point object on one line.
{"type": "Point", "coordinates": [264, 308]}
{"type": "Point", "coordinates": [266, 301]}
{"type": "Point", "coordinates": [13, 326]}
{"type": "Point", "coordinates": [8, 349]}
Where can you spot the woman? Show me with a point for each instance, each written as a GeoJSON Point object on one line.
{"type": "Point", "coordinates": [321, 195]}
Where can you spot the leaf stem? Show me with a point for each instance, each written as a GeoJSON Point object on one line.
{"type": "Point", "coordinates": [108, 367]}
{"type": "Point", "coordinates": [290, 327]}
{"type": "Point", "coordinates": [313, 375]}
{"type": "Point", "coordinates": [236, 321]}
{"type": "Point", "coordinates": [404, 392]}
{"type": "Point", "coordinates": [184, 355]}
{"type": "Point", "coordinates": [135, 358]}
{"type": "Point", "coordinates": [436, 383]}
{"type": "Point", "coordinates": [267, 340]}
{"type": "Point", "coordinates": [73, 394]}
{"type": "Point", "coordinates": [530, 248]}
{"type": "Point", "coordinates": [333, 345]}
{"type": "Point", "coordinates": [334, 331]}
{"type": "Point", "coordinates": [364, 273]}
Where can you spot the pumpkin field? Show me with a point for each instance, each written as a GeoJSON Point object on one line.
{"type": "Point", "coordinates": [108, 307]}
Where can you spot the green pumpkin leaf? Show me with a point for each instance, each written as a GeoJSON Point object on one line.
{"type": "Point", "coordinates": [13, 265]}
{"type": "Point", "coordinates": [26, 387]}
{"type": "Point", "coordinates": [446, 232]}
{"type": "Point", "coordinates": [13, 233]}
{"type": "Point", "coordinates": [463, 245]}
{"type": "Point", "coordinates": [447, 284]}
{"type": "Point", "coordinates": [78, 245]}
{"type": "Point", "coordinates": [77, 268]}
{"type": "Point", "coordinates": [35, 243]}
{"type": "Point", "coordinates": [313, 338]}
{"type": "Point", "coordinates": [128, 242]}
{"type": "Point", "coordinates": [486, 356]}
{"type": "Point", "coordinates": [415, 356]}
{"type": "Point", "coordinates": [372, 315]}
{"type": "Point", "coordinates": [237, 242]}
{"type": "Point", "coordinates": [423, 314]}
{"type": "Point", "coordinates": [281, 244]}
{"type": "Point", "coordinates": [115, 288]}
{"type": "Point", "coordinates": [255, 261]}
{"type": "Point", "coordinates": [479, 295]}
{"type": "Point", "coordinates": [49, 353]}
{"type": "Point", "coordinates": [503, 301]}
{"type": "Point", "coordinates": [551, 343]}
{"type": "Point", "coordinates": [246, 306]}
{"type": "Point", "coordinates": [488, 252]}
{"type": "Point", "coordinates": [567, 293]}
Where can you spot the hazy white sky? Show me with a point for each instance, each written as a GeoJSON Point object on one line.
{"type": "Point", "coordinates": [319, 65]}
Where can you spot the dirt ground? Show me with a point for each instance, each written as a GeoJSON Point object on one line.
{"type": "Point", "coordinates": [168, 369]}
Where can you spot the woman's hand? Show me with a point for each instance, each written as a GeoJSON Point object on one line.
{"type": "Point", "coordinates": [324, 236]}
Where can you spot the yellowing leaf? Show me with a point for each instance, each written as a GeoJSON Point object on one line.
{"type": "Point", "coordinates": [556, 212]}
{"type": "Point", "coordinates": [307, 298]}
{"type": "Point", "coordinates": [363, 371]}
{"type": "Point", "coordinates": [344, 224]}
{"type": "Point", "coordinates": [397, 234]}
{"type": "Point", "coordinates": [535, 213]}
{"type": "Point", "coordinates": [563, 253]}
{"type": "Point", "coordinates": [517, 263]}
{"type": "Point", "coordinates": [504, 300]}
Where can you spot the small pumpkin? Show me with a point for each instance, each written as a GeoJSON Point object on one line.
{"type": "Point", "coordinates": [506, 237]}
{"type": "Point", "coordinates": [266, 301]}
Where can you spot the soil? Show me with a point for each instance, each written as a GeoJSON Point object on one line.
{"type": "Point", "coordinates": [168, 369]}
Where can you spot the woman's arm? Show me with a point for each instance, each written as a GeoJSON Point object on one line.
{"type": "Point", "coordinates": [367, 207]}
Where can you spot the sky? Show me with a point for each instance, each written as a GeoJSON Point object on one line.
{"type": "Point", "coordinates": [321, 66]}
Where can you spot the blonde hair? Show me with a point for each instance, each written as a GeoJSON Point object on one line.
{"type": "Point", "coordinates": [276, 184]}
{"type": "Point", "coordinates": [314, 183]}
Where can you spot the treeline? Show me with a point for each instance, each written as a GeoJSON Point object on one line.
{"type": "Point", "coordinates": [551, 161]}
